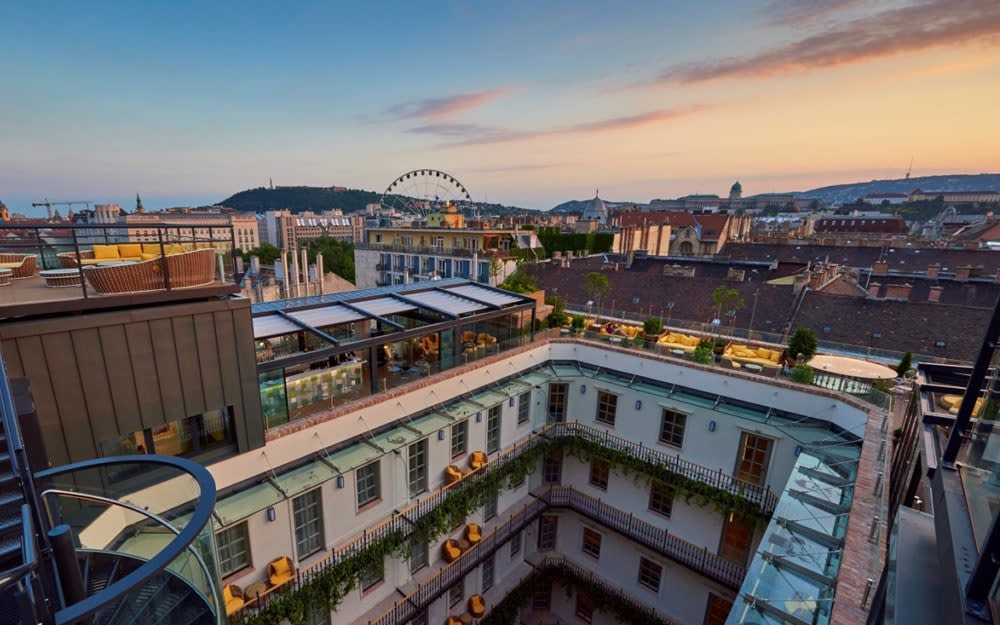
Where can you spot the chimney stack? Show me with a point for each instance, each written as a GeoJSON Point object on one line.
{"type": "Point", "coordinates": [880, 267]}
{"type": "Point", "coordinates": [898, 291]}
{"type": "Point", "coordinates": [873, 288]}
{"type": "Point", "coordinates": [934, 270]}
{"type": "Point", "coordinates": [964, 272]}
{"type": "Point", "coordinates": [935, 294]}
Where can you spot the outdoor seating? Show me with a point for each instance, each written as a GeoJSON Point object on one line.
{"type": "Point", "coordinates": [763, 356]}
{"type": "Point", "coordinates": [477, 606]}
{"type": "Point", "coordinates": [280, 570]}
{"type": "Point", "coordinates": [450, 550]}
{"type": "Point", "coordinates": [184, 269]}
{"type": "Point", "coordinates": [676, 340]}
{"type": "Point", "coordinates": [452, 474]}
{"type": "Point", "coordinates": [137, 252]}
{"type": "Point", "coordinates": [473, 533]}
{"type": "Point", "coordinates": [232, 596]}
{"type": "Point", "coordinates": [477, 460]}
{"type": "Point", "coordinates": [451, 620]}
{"type": "Point", "coordinates": [21, 265]}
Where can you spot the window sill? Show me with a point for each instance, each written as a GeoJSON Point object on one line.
{"type": "Point", "coordinates": [368, 506]}
{"type": "Point", "coordinates": [659, 514]}
{"type": "Point", "coordinates": [605, 424]}
{"type": "Point", "coordinates": [238, 575]}
{"type": "Point", "coordinates": [365, 591]}
{"type": "Point", "coordinates": [670, 446]}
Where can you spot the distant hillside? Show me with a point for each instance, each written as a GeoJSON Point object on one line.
{"type": "Point", "coordinates": [299, 199]}
{"type": "Point", "coordinates": [578, 206]}
{"type": "Point", "coordinates": [843, 193]}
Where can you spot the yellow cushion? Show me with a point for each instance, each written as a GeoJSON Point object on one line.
{"type": "Point", "coordinates": [9, 265]}
{"type": "Point", "coordinates": [174, 248]}
{"type": "Point", "coordinates": [146, 256]}
{"type": "Point", "coordinates": [280, 566]}
{"type": "Point", "coordinates": [106, 252]}
{"type": "Point", "coordinates": [150, 248]}
{"type": "Point", "coordinates": [130, 250]}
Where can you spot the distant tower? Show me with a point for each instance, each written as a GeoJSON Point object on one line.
{"type": "Point", "coordinates": [271, 182]}
{"type": "Point", "coordinates": [4, 213]}
{"type": "Point", "coordinates": [596, 210]}
{"type": "Point", "coordinates": [736, 191]}
{"type": "Point", "coordinates": [138, 205]}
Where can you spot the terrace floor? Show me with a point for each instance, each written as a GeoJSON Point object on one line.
{"type": "Point", "coordinates": [33, 296]}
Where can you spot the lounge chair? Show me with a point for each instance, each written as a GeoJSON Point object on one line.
{"type": "Point", "coordinates": [21, 265]}
{"type": "Point", "coordinates": [450, 550]}
{"type": "Point", "coordinates": [232, 596]}
{"type": "Point", "coordinates": [185, 269]}
{"type": "Point", "coordinates": [477, 606]}
{"type": "Point", "coordinates": [280, 571]}
{"type": "Point", "coordinates": [477, 460]}
{"type": "Point", "coordinates": [473, 533]}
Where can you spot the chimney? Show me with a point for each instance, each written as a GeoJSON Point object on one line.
{"type": "Point", "coordinates": [963, 273]}
{"type": "Point", "coordinates": [935, 294]}
{"type": "Point", "coordinates": [880, 267]}
{"type": "Point", "coordinates": [934, 270]}
{"type": "Point", "coordinates": [873, 288]}
{"type": "Point", "coordinates": [898, 291]}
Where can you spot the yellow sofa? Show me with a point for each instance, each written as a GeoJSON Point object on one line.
{"type": "Point", "coordinates": [676, 340]}
{"type": "Point", "coordinates": [477, 460]}
{"type": "Point", "coordinates": [744, 354]}
{"type": "Point", "coordinates": [232, 596]}
{"type": "Point", "coordinates": [280, 571]}
{"type": "Point", "coordinates": [122, 251]}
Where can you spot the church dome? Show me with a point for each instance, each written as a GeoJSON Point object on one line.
{"type": "Point", "coordinates": [596, 210]}
{"type": "Point", "coordinates": [736, 188]}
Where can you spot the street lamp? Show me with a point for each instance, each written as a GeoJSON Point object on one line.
{"type": "Point", "coordinates": [753, 312]}
{"type": "Point", "coordinates": [670, 311]}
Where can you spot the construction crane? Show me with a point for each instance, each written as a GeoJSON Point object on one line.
{"type": "Point", "coordinates": [48, 205]}
{"type": "Point", "coordinates": [908, 170]}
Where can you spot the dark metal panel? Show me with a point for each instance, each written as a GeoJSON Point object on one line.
{"type": "Point", "coordinates": [167, 369]}
{"type": "Point", "coordinates": [147, 385]}
{"type": "Point", "coordinates": [67, 390]}
{"type": "Point", "coordinates": [250, 432]}
{"type": "Point", "coordinates": [12, 358]}
{"type": "Point", "coordinates": [186, 351]}
{"type": "Point", "coordinates": [99, 409]}
{"type": "Point", "coordinates": [121, 381]}
{"type": "Point", "coordinates": [37, 372]}
{"type": "Point", "coordinates": [208, 360]}
{"type": "Point", "coordinates": [229, 368]}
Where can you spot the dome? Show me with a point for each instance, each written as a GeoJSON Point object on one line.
{"type": "Point", "coordinates": [596, 210]}
{"type": "Point", "coordinates": [736, 188]}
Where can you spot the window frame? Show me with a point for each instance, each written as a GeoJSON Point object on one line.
{"type": "Point", "coordinates": [607, 403]}
{"type": "Point", "coordinates": [422, 549]}
{"type": "Point", "coordinates": [459, 432]}
{"type": "Point", "coordinates": [416, 476]}
{"type": "Point", "coordinates": [646, 563]}
{"type": "Point", "coordinates": [306, 508]}
{"type": "Point", "coordinates": [375, 484]}
{"type": "Point", "coordinates": [515, 543]}
{"type": "Point", "coordinates": [524, 407]}
{"type": "Point", "coordinates": [595, 479]}
{"type": "Point", "coordinates": [489, 566]}
{"type": "Point", "coordinates": [591, 541]}
{"type": "Point", "coordinates": [378, 577]}
{"type": "Point", "coordinates": [671, 438]}
{"type": "Point", "coordinates": [494, 422]}
{"type": "Point", "coordinates": [661, 492]}
{"type": "Point", "coordinates": [225, 548]}
{"type": "Point", "coordinates": [455, 598]}
{"type": "Point", "coordinates": [558, 395]}
{"type": "Point", "coordinates": [491, 507]}
{"type": "Point", "coordinates": [584, 608]}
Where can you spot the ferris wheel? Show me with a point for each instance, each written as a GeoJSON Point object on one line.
{"type": "Point", "coordinates": [422, 191]}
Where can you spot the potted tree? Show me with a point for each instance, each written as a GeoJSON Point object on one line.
{"type": "Point", "coordinates": [652, 328]}
{"type": "Point", "coordinates": [802, 346]}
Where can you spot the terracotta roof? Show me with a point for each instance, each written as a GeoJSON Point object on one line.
{"type": "Point", "coordinates": [674, 218]}
{"type": "Point", "coordinates": [711, 226]}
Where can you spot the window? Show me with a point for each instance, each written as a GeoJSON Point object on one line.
{"type": "Point", "coordinates": [607, 408]}
{"type": "Point", "coordinates": [417, 467]}
{"type": "Point", "coordinates": [557, 401]}
{"type": "Point", "coordinates": [308, 511]}
{"type": "Point", "coordinates": [490, 508]}
{"type": "Point", "coordinates": [661, 498]}
{"type": "Point", "coordinates": [489, 571]}
{"type": "Point", "coordinates": [542, 599]}
{"type": "Point", "coordinates": [367, 478]}
{"type": "Point", "coordinates": [234, 548]}
{"type": "Point", "coordinates": [515, 543]}
{"type": "Point", "coordinates": [599, 470]}
{"type": "Point", "coordinates": [493, 430]}
{"type": "Point", "coordinates": [584, 607]}
{"type": "Point", "coordinates": [523, 407]}
{"type": "Point", "coordinates": [552, 467]}
{"type": "Point", "coordinates": [456, 593]}
{"type": "Point", "coordinates": [672, 426]}
{"type": "Point", "coordinates": [459, 438]}
{"type": "Point", "coordinates": [418, 555]}
{"type": "Point", "coordinates": [548, 526]}
{"type": "Point", "coordinates": [649, 574]}
{"type": "Point", "coordinates": [591, 543]}
{"type": "Point", "coordinates": [372, 575]}
{"type": "Point", "coordinates": [751, 464]}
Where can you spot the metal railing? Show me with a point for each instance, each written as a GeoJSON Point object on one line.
{"type": "Point", "coordinates": [696, 558]}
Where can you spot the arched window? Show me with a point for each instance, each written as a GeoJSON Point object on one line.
{"type": "Point", "coordinates": [686, 248]}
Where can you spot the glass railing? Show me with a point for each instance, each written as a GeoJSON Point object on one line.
{"type": "Point", "coordinates": [143, 525]}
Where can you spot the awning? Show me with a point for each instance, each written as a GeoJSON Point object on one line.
{"type": "Point", "coordinates": [445, 302]}
{"type": "Point", "coordinates": [272, 325]}
{"type": "Point", "coordinates": [480, 294]}
{"type": "Point", "coordinates": [326, 316]}
{"type": "Point", "coordinates": [383, 306]}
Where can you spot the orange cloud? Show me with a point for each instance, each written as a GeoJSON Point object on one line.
{"type": "Point", "coordinates": [438, 108]}
{"type": "Point", "coordinates": [908, 29]}
{"type": "Point", "coordinates": [802, 11]}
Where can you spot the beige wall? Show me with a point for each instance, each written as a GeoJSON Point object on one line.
{"type": "Point", "coordinates": [102, 375]}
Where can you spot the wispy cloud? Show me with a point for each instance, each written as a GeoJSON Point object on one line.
{"type": "Point", "coordinates": [802, 11]}
{"type": "Point", "coordinates": [907, 29]}
{"type": "Point", "coordinates": [514, 168]}
{"type": "Point", "coordinates": [444, 107]}
{"type": "Point", "coordinates": [482, 135]}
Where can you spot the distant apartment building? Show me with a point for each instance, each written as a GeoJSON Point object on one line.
{"type": "Point", "coordinates": [403, 255]}
{"type": "Point", "coordinates": [862, 225]}
{"type": "Point", "coordinates": [285, 229]}
{"type": "Point", "coordinates": [194, 225]}
{"type": "Point", "coordinates": [956, 197]}
{"type": "Point", "coordinates": [678, 233]}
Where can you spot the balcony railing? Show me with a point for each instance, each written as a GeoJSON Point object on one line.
{"type": "Point", "coordinates": [696, 558]}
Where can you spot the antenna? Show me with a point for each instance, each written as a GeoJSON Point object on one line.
{"type": "Point", "coordinates": [908, 170]}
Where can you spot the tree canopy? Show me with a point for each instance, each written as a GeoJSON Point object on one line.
{"type": "Point", "coordinates": [597, 286]}
{"type": "Point", "coordinates": [803, 343]}
{"type": "Point", "coordinates": [267, 254]}
{"type": "Point", "coordinates": [338, 256]}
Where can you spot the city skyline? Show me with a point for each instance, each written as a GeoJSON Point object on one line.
{"type": "Point", "coordinates": [528, 106]}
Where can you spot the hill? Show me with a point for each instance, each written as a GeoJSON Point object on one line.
{"type": "Point", "coordinates": [578, 206]}
{"type": "Point", "coordinates": [844, 193]}
{"type": "Point", "coordinates": [299, 199]}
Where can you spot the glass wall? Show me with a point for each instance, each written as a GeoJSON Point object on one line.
{"type": "Point", "coordinates": [322, 384]}
{"type": "Point", "coordinates": [273, 401]}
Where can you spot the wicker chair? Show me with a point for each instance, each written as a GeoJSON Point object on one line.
{"type": "Point", "coordinates": [185, 270]}
{"type": "Point", "coordinates": [23, 265]}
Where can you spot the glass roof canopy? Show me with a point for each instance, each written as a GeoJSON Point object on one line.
{"type": "Point", "coordinates": [793, 576]}
{"type": "Point", "coordinates": [452, 298]}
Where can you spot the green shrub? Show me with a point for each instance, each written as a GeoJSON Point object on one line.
{"type": "Point", "coordinates": [803, 342]}
{"type": "Point", "coordinates": [578, 322]}
{"type": "Point", "coordinates": [702, 354]}
{"type": "Point", "coordinates": [652, 326]}
{"type": "Point", "coordinates": [803, 374]}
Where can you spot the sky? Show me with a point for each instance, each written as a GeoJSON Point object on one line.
{"type": "Point", "coordinates": [527, 103]}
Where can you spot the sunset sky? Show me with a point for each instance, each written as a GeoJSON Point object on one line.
{"type": "Point", "coordinates": [527, 103]}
